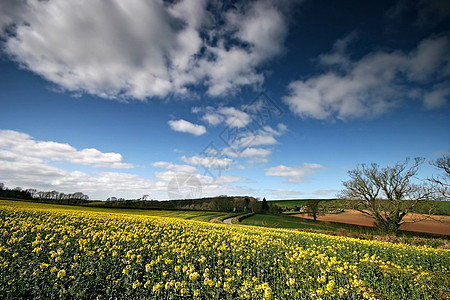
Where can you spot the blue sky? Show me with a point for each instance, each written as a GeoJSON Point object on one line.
{"type": "Point", "coordinates": [275, 99]}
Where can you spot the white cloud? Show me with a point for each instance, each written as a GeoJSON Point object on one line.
{"type": "Point", "coordinates": [437, 97]}
{"type": "Point", "coordinates": [29, 167]}
{"type": "Point", "coordinates": [255, 155]}
{"type": "Point", "coordinates": [327, 193]}
{"type": "Point", "coordinates": [229, 179]}
{"type": "Point", "coordinates": [294, 174]}
{"type": "Point", "coordinates": [260, 137]}
{"type": "Point", "coordinates": [208, 161]}
{"type": "Point", "coordinates": [209, 186]}
{"type": "Point", "coordinates": [212, 119]}
{"type": "Point", "coordinates": [283, 194]}
{"type": "Point", "coordinates": [185, 126]}
{"type": "Point", "coordinates": [374, 84]}
{"type": "Point", "coordinates": [233, 117]}
{"type": "Point", "coordinates": [175, 167]}
{"type": "Point", "coordinates": [28, 171]}
{"type": "Point", "coordinates": [22, 144]}
{"type": "Point", "coordinates": [144, 48]}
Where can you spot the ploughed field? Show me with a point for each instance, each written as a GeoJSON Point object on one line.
{"type": "Point", "coordinates": [46, 252]}
{"type": "Point", "coordinates": [434, 224]}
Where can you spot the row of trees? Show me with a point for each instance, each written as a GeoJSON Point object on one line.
{"type": "Point", "coordinates": [219, 203]}
{"type": "Point", "coordinates": [33, 194]}
{"type": "Point", "coordinates": [389, 194]}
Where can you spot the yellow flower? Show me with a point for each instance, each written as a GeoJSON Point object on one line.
{"type": "Point", "coordinates": [148, 268]}
{"type": "Point", "coordinates": [157, 287]}
{"type": "Point", "coordinates": [146, 284]}
{"type": "Point", "coordinates": [136, 284]}
{"type": "Point", "coordinates": [37, 250]}
{"type": "Point", "coordinates": [290, 281]}
{"type": "Point", "coordinates": [330, 286]}
{"type": "Point", "coordinates": [193, 276]}
{"type": "Point", "coordinates": [61, 274]}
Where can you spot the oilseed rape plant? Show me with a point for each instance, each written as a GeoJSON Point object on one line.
{"type": "Point", "coordinates": [51, 253]}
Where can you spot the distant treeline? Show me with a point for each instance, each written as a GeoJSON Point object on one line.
{"type": "Point", "coordinates": [43, 196]}
{"type": "Point", "coordinates": [219, 203]}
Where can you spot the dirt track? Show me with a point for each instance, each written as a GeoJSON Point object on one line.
{"type": "Point", "coordinates": [437, 225]}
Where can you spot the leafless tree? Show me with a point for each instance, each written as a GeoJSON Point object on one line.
{"type": "Point", "coordinates": [313, 208]}
{"type": "Point", "coordinates": [442, 181]}
{"type": "Point", "coordinates": [387, 194]}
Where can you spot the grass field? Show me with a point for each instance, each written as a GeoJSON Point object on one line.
{"type": "Point", "coordinates": [440, 207]}
{"type": "Point", "coordinates": [283, 221]}
{"type": "Point", "coordinates": [51, 251]}
{"type": "Point", "coordinates": [294, 202]}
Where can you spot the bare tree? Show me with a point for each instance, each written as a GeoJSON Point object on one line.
{"type": "Point", "coordinates": [443, 180]}
{"type": "Point", "coordinates": [313, 208]}
{"type": "Point", "coordinates": [387, 194]}
{"type": "Point", "coordinates": [32, 192]}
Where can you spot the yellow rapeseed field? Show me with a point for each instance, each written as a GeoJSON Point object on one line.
{"type": "Point", "coordinates": [51, 253]}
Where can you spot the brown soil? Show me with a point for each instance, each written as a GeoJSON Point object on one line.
{"type": "Point", "coordinates": [435, 225]}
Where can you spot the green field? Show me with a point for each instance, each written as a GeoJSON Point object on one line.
{"type": "Point", "coordinates": [440, 207]}
{"type": "Point", "coordinates": [285, 221]}
{"type": "Point", "coordinates": [294, 202]}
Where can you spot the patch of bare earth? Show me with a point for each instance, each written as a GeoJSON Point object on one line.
{"type": "Point", "coordinates": [435, 224]}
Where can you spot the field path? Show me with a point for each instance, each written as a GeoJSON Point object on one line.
{"type": "Point", "coordinates": [228, 221]}
{"type": "Point", "coordinates": [436, 224]}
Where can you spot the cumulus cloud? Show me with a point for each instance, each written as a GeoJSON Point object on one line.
{"type": "Point", "coordinates": [27, 163]}
{"type": "Point", "coordinates": [328, 193]}
{"type": "Point", "coordinates": [188, 176]}
{"type": "Point", "coordinates": [232, 117]}
{"type": "Point", "coordinates": [185, 126]}
{"type": "Point", "coordinates": [262, 137]}
{"type": "Point", "coordinates": [212, 119]}
{"type": "Point", "coordinates": [32, 170]}
{"type": "Point", "coordinates": [175, 167]}
{"type": "Point", "coordinates": [294, 174]}
{"type": "Point", "coordinates": [144, 48]}
{"type": "Point", "coordinates": [208, 161]}
{"type": "Point", "coordinates": [252, 154]}
{"type": "Point", "coordinates": [374, 84]}
{"type": "Point", "coordinates": [17, 143]}
{"type": "Point", "coordinates": [238, 133]}
{"type": "Point", "coordinates": [283, 194]}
